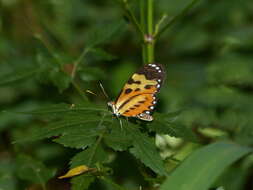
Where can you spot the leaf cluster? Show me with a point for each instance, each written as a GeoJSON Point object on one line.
{"type": "Point", "coordinates": [93, 130]}
{"type": "Point", "coordinates": [56, 51]}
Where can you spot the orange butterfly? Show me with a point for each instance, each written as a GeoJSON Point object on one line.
{"type": "Point", "coordinates": [138, 96]}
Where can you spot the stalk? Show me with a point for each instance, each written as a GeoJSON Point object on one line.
{"type": "Point", "coordinates": [143, 26]}
{"type": "Point", "coordinates": [149, 39]}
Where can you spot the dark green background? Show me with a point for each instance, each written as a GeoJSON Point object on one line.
{"type": "Point", "coordinates": [208, 55]}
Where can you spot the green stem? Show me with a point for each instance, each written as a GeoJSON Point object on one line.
{"type": "Point", "coordinates": [150, 42]}
{"type": "Point", "coordinates": [78, 89]}
{"type": "Point", "coordinates": [78, 61]}
{"type": "Point", "coordinates": [175, 18]}
{"type": "Point", "coordinates": [48, 46]}
{"type": "Point", "coordinates": [98, 141]}
{"type": "Point", "coordinates": [50, 50]}
{"type": "Point", "coordinates": [143, 25]}
{"type": "Point", "coordinates": [130, 15]}
{"type": "Point", "coordinates": [42, 183]}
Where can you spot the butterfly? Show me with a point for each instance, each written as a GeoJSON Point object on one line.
{"type": "Point", "coordinates": [138, 96]}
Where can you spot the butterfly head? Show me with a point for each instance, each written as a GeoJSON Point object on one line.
{"type": "Point", "coordinates": [114, 108]}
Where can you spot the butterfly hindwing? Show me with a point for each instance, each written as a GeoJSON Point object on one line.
{"type": "Point", "coordinates": [138, 96]}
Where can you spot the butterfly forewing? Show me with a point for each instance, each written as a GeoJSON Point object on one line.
{"type": "Point", "coordinates": [138, 96]}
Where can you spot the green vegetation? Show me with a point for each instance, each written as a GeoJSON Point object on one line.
{"type": "Point", "coordinates": [54, 115]}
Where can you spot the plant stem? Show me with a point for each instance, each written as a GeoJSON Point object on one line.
{"type": "Point", "coordinates": [143, 25]}
{"type": "Point", "coordinates": [78, 89]}
{"type": "Point", "coordinates": [175, 18]}
{"type": "Point", "coordinates": [150, 44]}
{"type": "Point", "coordinates": [76, 63]}
{"type": "Point", "coordinates": [130, 15]}
{"type": "Point", "coordinates": [98, 141]}
{"type": "Point", "coordinates": [50, 50]}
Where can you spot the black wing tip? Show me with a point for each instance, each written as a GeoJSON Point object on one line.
{"type": "Point", "coordinates": [153, 71]}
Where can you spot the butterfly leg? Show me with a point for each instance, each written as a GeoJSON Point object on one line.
{"type": "Point", "coordinates": [112, 118]}
{"type": "Point", "coordinates": [127, 120]}
{"type": "Point", "coordinates": [120, 122]}
{"type": "Point", "coordinates": [103, 90]}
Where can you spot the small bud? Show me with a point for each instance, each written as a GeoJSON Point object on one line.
{"type": "Point", "coordinates": [149, 38]}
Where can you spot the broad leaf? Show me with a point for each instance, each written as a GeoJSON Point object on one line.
{"type": "Point", "coordinates": [144, 149]}
{"type": "Point", "coordinates": [118, 138]}
{"type": "Point", "coordinates": [89, 157]}
{"type": "Point", "coordinates": [81, 136]}
{"type": "Point", "coordinates": [60, 79]}
{"type": "Point", "coordinates": [76, 127]}
{"type": "Point", "coordinates": [59, 109]}
{"type": "Point", "coordinates": [201, 168]}
{"type": "Point", "coordinates": [167, 124]}
{"type": "Point", "coordinates": [82, 182]}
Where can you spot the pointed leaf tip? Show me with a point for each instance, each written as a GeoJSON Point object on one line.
{"type": "Point", "coordinates": [76, 171]}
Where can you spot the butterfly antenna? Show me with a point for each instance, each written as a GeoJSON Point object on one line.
{"type": "Point", "coordinates": [103, 90]}
{"type": "Point", "coordinates": [90, 92]}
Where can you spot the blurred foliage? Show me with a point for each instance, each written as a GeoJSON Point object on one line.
{"type": "Point", "coordinates": [53, 51]}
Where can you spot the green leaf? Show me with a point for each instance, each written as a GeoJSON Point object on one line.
{"type": "Point", "coordinates": [200, 170]}
{"type": "Point", "coordinates": [50, 109]}
{"type": "Point", "coordinates": [81, 182]}
{"type": "Point", "coordinates": [110, 184]}
{"type": "Point", "coordinates": [101, 54]}
{"type": "Point", "coordinates": [220, 70]}
{"type": "Point", "coordinates": [7, 174]}
{"type": "Point", "coordinates": [91, 74]}
{"type": "Point", "coordinates": [33, 170]}
{"type": "Point", "coordinates": [60, 79]}
{"type": "Point", "coordinates": [144, 149]}
{"type": "Point", "coordinates": [118, 138]}
{"type": "Point", "coordinates": [59, 109]}
{"type": "Point", "coordinates": [234, 178]}
{"type": "Point", "coordinates": [167, 124]}
{"type": "Point", "coordinates": [90, 156]}
{"type": "Point", "coordinates": [76, 127]}
{"type": "Point", "coordinates": [98, 37]}
{"type": "Point", "coordinates": [80, 137]}
{"type": "Point", "coordinates": [68, 126]}
{"type": "Point", "coordinates": [16, 76]}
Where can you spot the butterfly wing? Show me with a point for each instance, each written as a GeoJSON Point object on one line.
{"type": "Point", "coordinates": [138, 96]}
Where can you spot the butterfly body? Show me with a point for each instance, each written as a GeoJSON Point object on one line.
{"type": "Point", "coordinates": [138, 96]}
